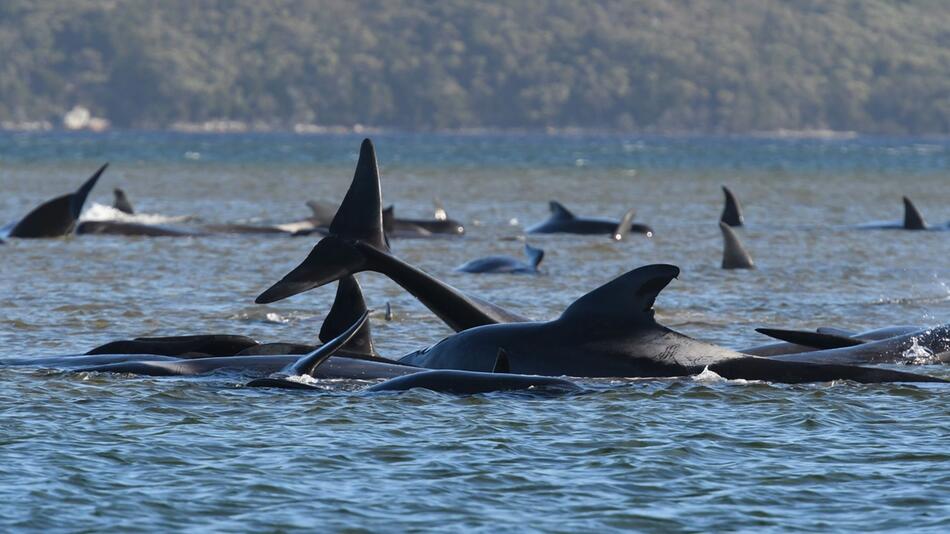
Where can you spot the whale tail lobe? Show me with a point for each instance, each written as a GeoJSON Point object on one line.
{"type": "Point", "coordinates": [732, 211]}
{"type": "Point", "coordinates": [57, 217]}
{"type": "Point", "coordinates": [734, 255]}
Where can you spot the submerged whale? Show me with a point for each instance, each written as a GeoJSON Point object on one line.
{"type": "Point", "coordinates": [734, 255]}
{"type": "Point", "coordinates": [505, 264]}
{"type": "Point", "coordinates": [913, 220]}
{"type": "Point", "coordinates": [562, 221]}
{"type": "Point", "coordinates": [56, 217]}
{"type": "Point", "coordinates": [732, 210]}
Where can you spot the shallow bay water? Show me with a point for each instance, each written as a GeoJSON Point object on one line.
{"type": "Point", "coordinates": [90, 452]}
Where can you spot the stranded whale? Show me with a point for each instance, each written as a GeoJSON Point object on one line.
{"type": "Point", "coordinates": [56, 217]}
{"type": "Point", "coordinates": [505, 264]}
{"type": "Point", "coordinates": [562, 221]}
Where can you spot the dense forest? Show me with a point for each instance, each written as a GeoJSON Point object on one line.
{"type": "Point", "coordinates": [877, 66]}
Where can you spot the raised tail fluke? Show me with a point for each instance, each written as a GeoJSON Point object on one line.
{"type": "Point", "coordinates": [620, 233]}
{"type": "Point", "coordinates": [308, 363]}
{"type": "Point", "coordinates": [57, 217]}
{"type": "Point", "coordinates": [913, 220]}
{"type": "Point", "coordinates": [732, 211]}
{"type": "Point", "coordinates": [734, 255]}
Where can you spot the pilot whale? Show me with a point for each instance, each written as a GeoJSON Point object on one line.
{"type": "Point", "coordinates": [56, 217]}
{"type": "Point", "coordinates": [913, 220]}
{"type": "Point", "coordinates": [734, 255]}
{"type": "Point", "coordinates": [505, 264]}
{"type": "Point", "coordinates": [611, 332]}
{"type": "Point", "coordinates": [562, 221]}
{"type": "Point", "coordinates": [731, 210]}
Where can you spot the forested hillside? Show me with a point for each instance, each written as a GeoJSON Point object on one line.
{"type": "Point", "coordinates": [654, 65]}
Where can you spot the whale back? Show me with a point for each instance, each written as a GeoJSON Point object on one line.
{"type": "Point", "coordinates": [732, 210]}
{"type": "Point", "coordinates": [57, 217]}
{"type": "Point", "coordinates": [734, 255]}
{"type": "Point", "coordinates": [913, 220]}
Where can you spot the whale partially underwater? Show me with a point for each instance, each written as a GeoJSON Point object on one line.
{"type": "Point", "coordinates": [734, 255]}
{"type": "Point", "coordinates": [913, 220]}
{"type": "Point", "coordinates": [562, 221]}
{"type": "Point", "coordinates": [610, 332]}
{"type": "Point", "coordinates": [56, 217]}
{"type": "Point", "coordinates": [505, 264]}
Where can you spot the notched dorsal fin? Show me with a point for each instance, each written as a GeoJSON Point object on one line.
{"type": "Point", "coordinates": [360, 215]}
{"type": "Point", "coordinates": [628, 298]}
{"type": "Point", "coordinates": [535, 255]}
{"type": "Point", "coordinates": [348, 306]}
{"type": "Point", "coordinates": [734, 255]}
{"type": "Point", "coordinates": [622, 229]}
{"type": "Point", "coordinates": [732, 211]}
{"type": "Point", "coordinates": [309, 363]}
{"type": "Point", "coordinates": [121, 202]}
{"type": "Point", "coordinates": [502, 364]}
{"type": "Point", "coordinates": [558, 211]}
{"type": "Point", "coordinates": [913, 220]}
{"type": "Point", "coordinates": [810, 339]}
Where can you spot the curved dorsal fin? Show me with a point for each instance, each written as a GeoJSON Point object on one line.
{"type": "Point", "coordinates": [57, 217]}
{"type": "Point", "coordinates": [558, 211]}
{"type": "Point", "coordinates": [626, 299]}
{"type": "Point", "coordinates": [620, 233]}
{"type": "Point", "coordinates": [913, 220]}
{"type": "Point", "coordinates": [732, 211]}
{"type": "Point", "coordinates": [534, 254]}
{"type": "Point", "coordinates": [308, 363]}
{"type": "Point", "coordinates": [734, 255]}
{"type": "Point", "coordinates": [348, 306]}
{"type": "Point", "coordinates": [360, 215]}
{"type": "Point", "coordinates": [121, 202]}
{"type": "Point", "coordinates": [502, 364]}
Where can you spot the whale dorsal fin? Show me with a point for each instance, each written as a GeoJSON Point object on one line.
{"type": "Point", "coordinates": [534, 254]}
{"type": "Point", "coordinates": [734, 255]}
{"type": "Point", "coordinates": [624, 300]}
{"type": "Point", "coordinates": [558, 211]}
{"type": "Point", "coordinates": [913, 220]}
{"type": "Point", "coordinates": [835, 331]}
{"type": "Point", "coordinates": [622, 229]}
{"type": "Point", "coordinates": [121, 202]}
{"type": "Point", "coordinates": [360, 214]}
{"type": "Point", "coordinates": [57, 217]}
{"type": "Point", "coordinates": [732, 211]}
{"type": "Point", "coordinates": [348, 306]}
{"type": "Point", "coordinates": [322, 212]}
{"type": "Point", "coordinates": [810, 339]}
{"type": "Point", "coordinates": [502, 364]}
{"type": "Point", "coordinates": [309, 362]}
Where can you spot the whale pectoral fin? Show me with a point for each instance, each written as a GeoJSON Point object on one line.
{"type": "Point", "coordinates": [56, 217]}
{"type": "Point", "coordinates": [625, 300]}
{"type": "Point", "coordinates": [535, 255]}
{"type": "Point", "coordinates": [558, 211]}
{"type": "Point", "coordinates": [765, 369]}
{"type": "Point", "coordinates": [502, 364]}
{"type": "Point", "coordinates": [308, 363]}
{"type": "Point", "coordinates": [734, 255]}
{"type": "Point", "coordinates": [732, 210]}
{"type": "Point", "coordinates": [360, 215]}
{"type": "Point", "coordinates": [620, 233]}
{"type": "Point", "coordinates": [810, 339]}
{"type": "Point", "coordinates": [280, 383]}
{"type": "Point", "coordinates": [913, 220]}
{"type": "Point", "coordinates": [348, 306]}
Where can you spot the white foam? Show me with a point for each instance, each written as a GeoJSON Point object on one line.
{"type": "Point", "coordinates": [101, 212]}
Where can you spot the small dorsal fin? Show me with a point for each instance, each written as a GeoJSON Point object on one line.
{"type": "Point", "coordinates": [732, 211]}
{"type": "Point", "coordinates": [558, 211]}
{"type": "Point", "coordinates": [440, 214]}
{"type": "Point", "coordinates": [534, 254]}
{"type": "Point", "coordinates": [913, 220]}
{"type": "Point", "coordinates": [810, 339]}
{"type": "Point", "coordinates": [121, 202]}
{"type": "Point", "coordinates": [627, 299]}
{"type": "Point", "coordinates": [308, 363]}
{"type": "Point", "coordinates": [502, 363]}
{"type": "Point", "coordinates": [348, 305]}
{"type": "Point", "coordinates": [360, 215]}
{"type": "Point", "coordinates": [734, 255]}
{"type": "Point", "coordinates": [622, 229]}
